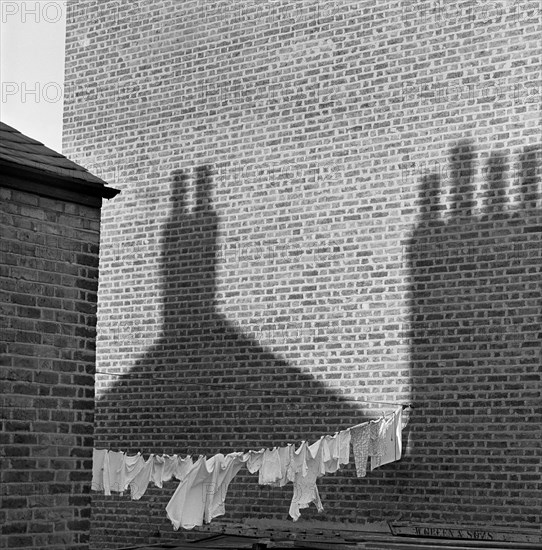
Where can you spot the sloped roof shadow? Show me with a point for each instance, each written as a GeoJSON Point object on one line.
{"type": "Point", "coordinates": [204, 386]}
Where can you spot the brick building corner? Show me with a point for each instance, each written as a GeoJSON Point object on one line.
{"type": "Point", "coordinates": [50, 236]}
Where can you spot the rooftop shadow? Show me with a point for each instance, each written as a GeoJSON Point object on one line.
{"type": "Point", "coordinates": [476, 299]}
{"type": "Point", "coordinates": [205, 387]}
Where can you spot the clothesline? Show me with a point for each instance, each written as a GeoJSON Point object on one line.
{"type": "Point", "coordinates": [387, 403]}
{"type": "Point", "coordinates": [403, 406]}
{"type": "Point", "coordinates": [193, 503]}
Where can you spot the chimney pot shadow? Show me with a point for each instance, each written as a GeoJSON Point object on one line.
{"type": "Point", "coordinates": [474, 348]}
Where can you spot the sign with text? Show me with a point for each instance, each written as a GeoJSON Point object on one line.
{"type": "Point", "coordinates": [489, 534]}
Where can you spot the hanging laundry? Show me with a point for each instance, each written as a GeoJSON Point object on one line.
{"type": "Point", "coordinates": [270, 469]}
{"type": "Point", "coordinates": [225, 470]}
{"type": "Point", "coordinates": [375, 442]}
{"type": "Point", "coordinates": [168, 467]}
{"type": "Point", "coordinates": [330, 453]}
{"type": "Point", "coordinates": [336, 450]}
{"type": "Point", "coordinates": [305, 490]}
{"type": "Point", "coordinates": [381, 444]}
{"type": "Point", "coordinates": [186, 507]}
{"type": "Point", "coordinates": [201, 494]}
{"type": "Point", "coordinates": [131, 466]}
{"type": "Point", "coordinates": [391, 439]}
{"type": "Point", "coordinates": [184, 465]}
{"type": "Point", "coordinates": [202, 488]}
{"type": "Point", "coordinates": [140, 482]}
{"type": "Point", "coordinates": [98, 457]}
{"type": "Point", "coordinates": [255, 460]}
{"type": "Point", "coordinates": [343, 444]}
{"type": "Point", "coordinates": [360, 436]}
{"type": "Point", "coordinates": [157, 473]}
{"type": "Point", "coordinates": [112, 467]}
{"type": "Point", "coordinates": [298, 462]}
{"type": "Point", "coordinates": [171, 464]}
{"type": "Point", "coordinates": [285, 457]}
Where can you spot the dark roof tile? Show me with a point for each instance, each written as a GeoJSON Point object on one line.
{"type": "Point", "coordinates": [16, 149]}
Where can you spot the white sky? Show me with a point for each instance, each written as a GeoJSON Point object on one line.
{"type": "Point", "coordinates": [32, 68]}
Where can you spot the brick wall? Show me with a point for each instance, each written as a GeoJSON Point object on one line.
{"type": "Point", "coordinates": [49, 279]}
{"type": "Point", "coordinates": [323, 204]}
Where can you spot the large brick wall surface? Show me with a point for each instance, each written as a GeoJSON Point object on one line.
{"type": "Point", "coordinates": [48, 279]}
{"type": "Point", "coordinates": [324, 205]}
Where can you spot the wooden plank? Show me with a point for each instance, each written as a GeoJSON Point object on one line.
{"type": "Point", "coordinates": [457, 532]}
{"type": "Point", "coordinates": [314, 545]}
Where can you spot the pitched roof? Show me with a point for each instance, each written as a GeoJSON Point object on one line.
{"type": "Point", "coordinates": [23, 156]}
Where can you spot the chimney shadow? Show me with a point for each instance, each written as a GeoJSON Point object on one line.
{"type": "Point", "coordinates": [205, 387]}
{"type": "Point", "coordinates": [475, 293]}
{"type": "Point", "coordinates": [476, 327]}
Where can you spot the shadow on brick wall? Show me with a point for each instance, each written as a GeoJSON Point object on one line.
{"type": "Point", "coordinates": [204, 386]}
{"type": "Point", "coordinates": [476, 298]}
